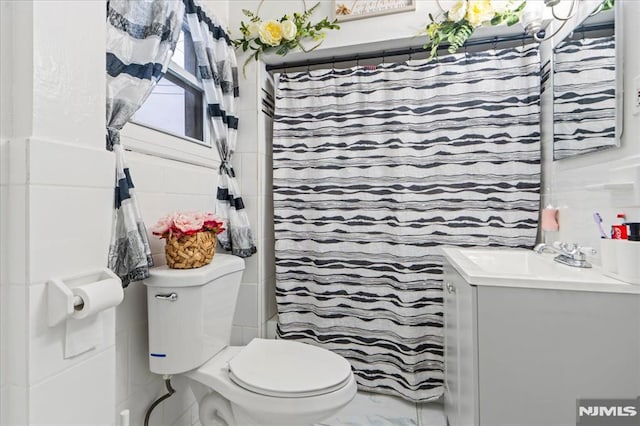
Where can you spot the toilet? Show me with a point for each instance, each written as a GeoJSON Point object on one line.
{"type": "Point", "coordinates": [267, 382]}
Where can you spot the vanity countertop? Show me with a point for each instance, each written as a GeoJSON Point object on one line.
{"type": "Point", "coordinates": [504, 267]}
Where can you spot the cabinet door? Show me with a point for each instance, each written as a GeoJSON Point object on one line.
{"type": "Point", "coordinates": [467, 352]}
{"type": "Point", "coordinates": [542, 350]}
{"type": "Point", "coordinates": [460, 346]}
{"type": "Point", "coordinates": [451, 376]}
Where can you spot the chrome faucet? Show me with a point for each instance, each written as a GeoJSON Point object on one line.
{"type": "Point", "coordinates": [570, 254]}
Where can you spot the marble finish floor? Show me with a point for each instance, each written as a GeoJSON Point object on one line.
{"type": "Point", "coordinates": [372, 409]}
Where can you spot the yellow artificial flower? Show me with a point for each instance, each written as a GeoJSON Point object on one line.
{"type": "Point", "coordinates": [458, 11]}
{"type": "Point", "coordinates": [479, 12]}
{"type": "Point", "coordinates": [271, 32]}
{"type": "Point", "coordinates": [289, 29]}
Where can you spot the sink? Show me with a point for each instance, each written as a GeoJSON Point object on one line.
{"type": "Point", "coordinates": [525, 268]}
{"type": "Point", "coordinates": [519, 262]}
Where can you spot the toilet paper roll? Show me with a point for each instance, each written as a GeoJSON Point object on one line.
{"type": "Point", "coordinates": [97, 297]}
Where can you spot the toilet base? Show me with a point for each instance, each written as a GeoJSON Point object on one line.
{"type": "Point", "coordinates": [215, 410]}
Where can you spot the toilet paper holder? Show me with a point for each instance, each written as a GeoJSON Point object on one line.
{"type": "Point", "coordinates": [60, 298]}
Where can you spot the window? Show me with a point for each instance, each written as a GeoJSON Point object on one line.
{"type": "Point", "coordinates": [175, 106]}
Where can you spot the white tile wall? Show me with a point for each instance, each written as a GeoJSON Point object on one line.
{"type": "Point", "coordinates": [17, 169]}
{"type": "Point", "coordinates": [271, 326]}
{"type": "Point", "coordinates": [54, 230]}
{"type": "Point", "coordinates": [247, 307]}
{"type": "Point", "coordinates": [16, 217]}
{"type": "Point", "coordinates": [4, 165]}
{"type": "Point", "coordinates": [249, 177]}
{"type": "Point", "coordinates": [122, 366]}
{"type": "Point", "coordinates": [254, 169]}
{"type": "Point", "coordinates": [53, 212]}
{"type": "Point", "coordinates": [59, 187]}
{"type": "Point", "coordinates": [236, 336]}
{"type": "Point", "coordinates": [17, 400]}
{"type": "Point", "coordinates": [269, 296]}
{"type": "Point", "coordinates": [249, 333]}
{"type": "Point", "coordinates": [568, 178]}
{"type": "Point", "coordinates": [68, 76]}
{"type": "Point", "coordinates": [247, 130]}
{"type": "Point", "coordinates": [78, 396]}
{"type": "Point", "coordinates": [17, 337]}
{"type": "Point", "coordinates": [139, 377]}
{"type": "Point", "coordinates": [6, 75]}
{"type": "Point", "coordinates": [4, 408]}
{"type": "Point", "coordinates": [138, 403]}
{"type": "Point", "coordinates": [133, 309]}
{"type": "Point", "coordinates": [46, 344]}
{"type": "Point", "coordinates": [3, 286]}
{"type": "Point", "coordinates": [92, 167]}
{"type": "Point", "coordinates": [250, 275]}
{"type": "Point", "coordinates": [177, 409]}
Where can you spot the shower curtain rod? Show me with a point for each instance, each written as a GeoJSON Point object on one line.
{"type": "Point", "coordinates": [524, 38]}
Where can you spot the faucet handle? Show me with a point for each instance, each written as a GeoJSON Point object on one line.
{"type": "Point", "coordinates": [569, 248]}
{"type": "Point", "coordinates": [574, 250]}
{"type": "Point", "coordinates": [590, 251]}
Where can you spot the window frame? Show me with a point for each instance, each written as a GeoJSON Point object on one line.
{"type": "Point", "coordinates": [150, 140]}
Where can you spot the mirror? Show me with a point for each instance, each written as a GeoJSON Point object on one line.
{"type": "Point", "coordinates": [587, 85]}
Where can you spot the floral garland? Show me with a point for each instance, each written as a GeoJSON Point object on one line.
{"type": "Point", "coordinates": [456, 25]}
{"type": "Point", "coordinates": [282, 35]}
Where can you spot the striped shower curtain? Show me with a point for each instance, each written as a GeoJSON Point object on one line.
{"type": "Point", "coordinates": [374, 170]}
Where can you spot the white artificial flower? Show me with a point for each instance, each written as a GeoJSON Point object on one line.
{"type": "Point", "coordinates": [254, 29]}
{"type": "Point", "coordinates": [458, 11]}
{"type": "Point", "coordinates": [501, 6]}
{"type": "Point", "coordinates": [289, 29]}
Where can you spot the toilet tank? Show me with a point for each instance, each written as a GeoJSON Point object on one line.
{"type": "Point", "coordinates": [190, 313]}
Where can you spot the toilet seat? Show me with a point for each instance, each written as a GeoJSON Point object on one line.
{"type": "Point", "coordinates": [288, 369]}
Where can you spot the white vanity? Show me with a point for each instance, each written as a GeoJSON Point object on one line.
{"type": "Point", "coordinates": [525, 337]}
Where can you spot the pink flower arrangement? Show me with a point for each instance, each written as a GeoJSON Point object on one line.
{"type": "Point", "coordinates": [187, 223]}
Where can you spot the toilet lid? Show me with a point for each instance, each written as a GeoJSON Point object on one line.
{"type": "Point", "coordinates": [288, 369]}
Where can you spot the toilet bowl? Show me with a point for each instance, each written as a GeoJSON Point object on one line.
{"type": "Point", "coordinates": [272, 382]}
{"type": "Point", "coordinates": [267, 382]}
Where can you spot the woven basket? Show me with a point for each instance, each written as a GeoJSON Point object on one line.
{"type": "Point", "coordinates": [190, 251]}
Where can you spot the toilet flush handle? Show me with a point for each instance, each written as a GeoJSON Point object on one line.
{"type": "Point", "coordinates": [171, 297]}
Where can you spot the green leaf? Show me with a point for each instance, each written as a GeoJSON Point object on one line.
{"type": "Point", "coordinates": [512, 19]}
{"type": "Point", "coordinates": [520, 8]}
{"type": "Point", "coordinates": [497, 20]}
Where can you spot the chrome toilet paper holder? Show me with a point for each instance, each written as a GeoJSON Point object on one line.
{"type": "Point", "coordinates": [61, 300]}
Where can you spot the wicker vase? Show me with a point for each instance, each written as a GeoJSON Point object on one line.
{"type": "Point", "coordinates": [190, 251]}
